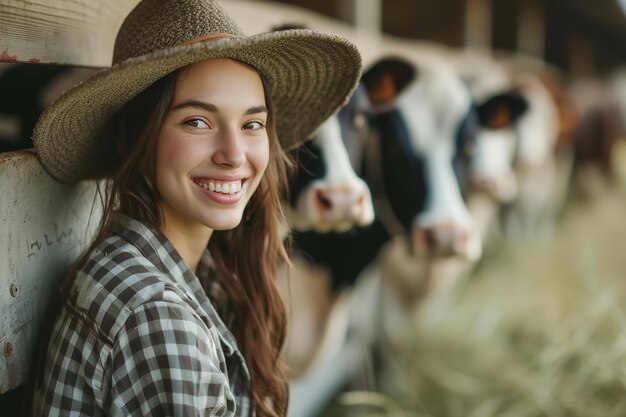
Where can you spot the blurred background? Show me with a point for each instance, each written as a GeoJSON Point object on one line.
{"type": "Point", "coordinates": [539, 328]}
{"type": "Point", "coordinates": [580, 37]}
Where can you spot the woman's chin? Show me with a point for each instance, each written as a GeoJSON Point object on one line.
{"type": "Point", "coordinates": [224, 224]}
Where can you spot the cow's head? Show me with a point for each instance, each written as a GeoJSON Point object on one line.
{"type": "Point", "coordinates": [326, 193]}
{"type": "Point", "coordinates": [538, 128]}
{"type": "Point", "coordinates": [425, 123]}
{"type": "Point", "coordinates": [491, 166]}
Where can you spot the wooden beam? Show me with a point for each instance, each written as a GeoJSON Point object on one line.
{"type": "Point", "coordinates": [77, 32]}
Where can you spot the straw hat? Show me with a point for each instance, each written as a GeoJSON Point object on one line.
{"type": "Point", "coordinates": [310, 76]}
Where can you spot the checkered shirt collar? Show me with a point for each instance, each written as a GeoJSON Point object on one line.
{"type": "Point", "coordinates": [159, 250]}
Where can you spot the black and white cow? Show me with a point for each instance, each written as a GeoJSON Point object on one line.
{"type": "Point", "coordinates": [328, 201]}
{"type": "Point", "coordinates": [425, 126]}
{"type": "Point", "coordinates": [492, 179]}
{"type": "Point", "coordinates": [500, 105]}
{"type": "Point", "coordinates": [544, 154]}
{"type": "Point", "coordinates": [326, 194]}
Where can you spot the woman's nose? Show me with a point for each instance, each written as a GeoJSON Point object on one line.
{"type": "Point", "coordinates": [229, 151]}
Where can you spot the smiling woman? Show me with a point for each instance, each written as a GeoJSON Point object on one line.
{"type": "Point", "coordinates": [173, 309]}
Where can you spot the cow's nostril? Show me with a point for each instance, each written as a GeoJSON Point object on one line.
{"type": "Point", "coordinates": [428, 238]}
{"type": "Point", "coordinates": [482, 184]}
{"type": "Point", "coordinates": [324, 201]}
{"type": "Point", "coordinates": [442, 240]}
{"type": "Point", "coordinates": [461, 241]}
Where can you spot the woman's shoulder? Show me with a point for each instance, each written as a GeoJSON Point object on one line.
{"type": "Point", "coordinates": [115, 279]}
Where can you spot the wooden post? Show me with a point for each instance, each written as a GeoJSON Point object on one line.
{"type": "Point", "coordinates": [531, 30]}
{"type": "Point", "coordinates": [478, 25]}
{"type": "Point", "coordinates": [368, 15]}
{"type": "Point", "coordinates": [365, 15]}
{"type": "Point", "coordinates": [581, 57]}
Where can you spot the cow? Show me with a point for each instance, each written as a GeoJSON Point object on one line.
{"type": "Point", "coordinates": [491, 167]}
{"type": "Point", "coordinates": [327, 201]}
{"type": "Point", "coordinates": [27, 89]}
{"type": "Point", "coordinates": [492, 181]}
{"type": "Point", "coordinates": [599, 128]}
{"type": "Point", "coordinates": [544, 153]}
{"type": "Point", "coordinates": [424, 127]}
{"type": "Point", "coordinates": [326, 195]}
{"type": "Point", "coordinates": [326, 198]}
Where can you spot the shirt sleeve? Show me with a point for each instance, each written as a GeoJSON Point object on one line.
{"type": "Point", "coordinates": [166, 362]}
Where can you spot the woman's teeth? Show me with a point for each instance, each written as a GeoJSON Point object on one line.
{"type": "Point", "coordinates": [224, 188]}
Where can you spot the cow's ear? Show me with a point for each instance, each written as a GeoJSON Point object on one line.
{"type": "Point", "coordinates": [387, 78]}
{"type": "Point", "coordinates": [501, 110]}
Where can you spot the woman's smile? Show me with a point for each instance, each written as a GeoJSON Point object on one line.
{"type": "Point", "coordinates": [221, 191]}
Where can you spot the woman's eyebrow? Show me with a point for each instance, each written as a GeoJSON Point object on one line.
{"type": "Point", "coordinates": [213, 108]}
{"type": "Point", "coordinates": [197, 104]}
{"type": "Point", "coordinates": [257, 109]}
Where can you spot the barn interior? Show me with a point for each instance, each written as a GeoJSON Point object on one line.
{"type": "Point", "coordinates": [536, 327]}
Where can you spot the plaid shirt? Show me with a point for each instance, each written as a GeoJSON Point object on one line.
{"type": "Point", "coordinates": [141, 338]}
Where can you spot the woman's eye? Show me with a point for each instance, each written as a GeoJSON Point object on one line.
{"type": "Point", "coordinates": [253, 125]}
{"type": "Point", "coordinates": [199, 123]}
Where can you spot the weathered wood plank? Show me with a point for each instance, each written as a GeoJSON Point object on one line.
{"type": "Point", "coordinates": [44, 225]}
{"type": "Point", "coordinates": [82, 32]}
{"type": "Point", "coordinates": [76, 32]}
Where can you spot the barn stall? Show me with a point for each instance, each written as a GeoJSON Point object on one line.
{"type": "Point", "coordinates": [535, 330]}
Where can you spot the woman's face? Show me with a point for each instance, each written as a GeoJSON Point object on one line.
{"type": "Point", "coordinates": [213, 147]}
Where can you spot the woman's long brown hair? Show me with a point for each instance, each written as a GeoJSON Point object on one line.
{"type": "Point", "coordinates": [245, 258]}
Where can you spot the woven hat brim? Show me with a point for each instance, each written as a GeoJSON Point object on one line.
{"type": "Point", "coordinates": [310, 76]}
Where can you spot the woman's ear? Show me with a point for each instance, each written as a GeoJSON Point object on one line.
{"type": "Point", "coordinates": [387, 78]}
